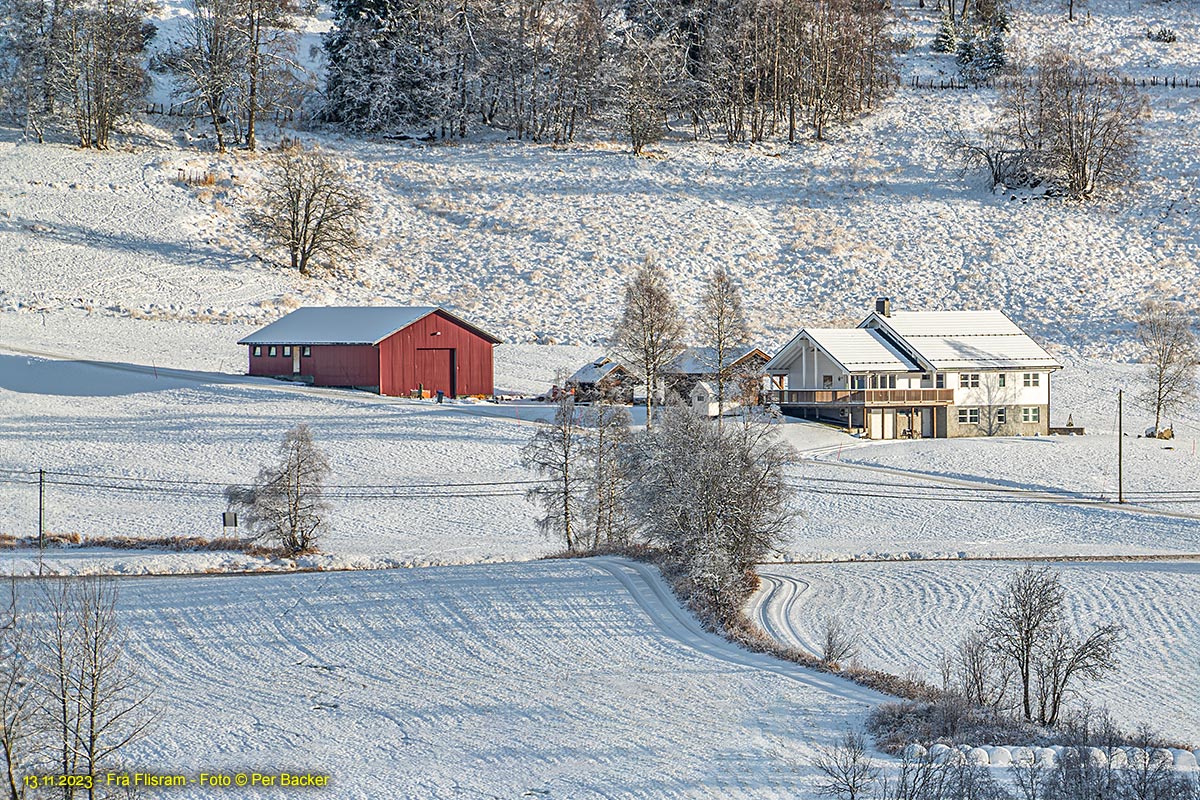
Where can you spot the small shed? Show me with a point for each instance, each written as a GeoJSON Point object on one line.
{"type": "Point", "coordinates": [392, 350]}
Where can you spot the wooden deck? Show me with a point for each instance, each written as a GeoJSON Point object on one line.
{"type": "Point", "coordinates": [899, 398]}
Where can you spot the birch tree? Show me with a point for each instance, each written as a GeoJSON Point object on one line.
{"type": "Point", "coordinates": [722, 327]}
{"type": "Point", "coordinates": [286, 505]}
{"type": "Point", "coordinates": [17, 700]}
{"type": "Point", "coordinates": [1167, 332]}
{"type": "Point", "coordinates": [607, 435]}
{"type": "Point", "coordinates": [556, 453]}
{"type": "Point", "coordinates": [649, 332]}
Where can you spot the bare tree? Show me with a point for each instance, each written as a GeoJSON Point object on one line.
{"type": "Point", "coordinates": [650, 331]}
{"type": "Point", "coordinates": [309, 206]}
{"type": "Point", "coordinates": [96, 63]}
{"type": "Point", "coordinates": [722, 328]}
{"type": "Point", "coordinates": [17, 700]}
{"type": "Point", "coordinates": [1166, 330]}
{"type": "Point", "coordinates": [210, 63]}
{"type": "Point", "coordinates": [286, 504]}
{"type": "Point", "coordinates": [93, 698]}
{"type": "Point", "coordinates": [1079, 125]}
{"type": "Point", "coordinates": [847, 770]}
{"type": "Point", "coordinates": [979, 673]}
{"type": "Point", "coordinates": [269, 41]}
{"type": "Point", "coordinates": [556, 452]}
{"type": "Point", "coordinates": [839, 640]}
{"type": "Point", "coordinates": [1028, 629]}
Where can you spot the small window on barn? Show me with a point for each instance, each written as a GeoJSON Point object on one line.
{"type": "Point", "coordinates": [257, 350]}
{"type": "Point", "coordinates": [271, 351]}
{"type": "Point", "coordinates": [306, 351]}
{"type": "Point", "coordinates": [287, 351]}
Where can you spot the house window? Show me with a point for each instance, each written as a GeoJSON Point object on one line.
{"type": "Point", "coordinates": [1001, 414]}
{"type": "Point", "coordinates": [1033, 379]}
{"type": "Point", "coordinates": [826, 381]}
{"type": "Point", "coordinates": [257, 350]}
{"type": "Point", "coordinates": [940, 381]}
{"type": "Point", "coordinates": [1000, 381]}
{"type": "Point", "coordinates": [1031, 414]}
{"type": "Point", "coordinates": [287, 351]}
{"type": "Point", "coordinates": [969, 380]}
{"type": "Point", "coordinates": [306, 351]}
{"type": "Point", "coordinates": [858, 382]}
{"type": "Point", "coordinates": [968, 416]}
{"type": "Point", "coordinates": [271, 351]}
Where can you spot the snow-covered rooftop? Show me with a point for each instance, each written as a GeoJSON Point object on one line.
{"type": "Point", "coordinates": [594, 372]}
{"type": "Point", "coordinates": [344, 325]}
{"type": "Point", "coordinates": [700, 360]}
{"type": "Point", "coordinates": [965, 339]}
{"type": "Point", "coordinates": [856, 349]}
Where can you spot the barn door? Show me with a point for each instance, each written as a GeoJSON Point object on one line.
{"type": "Point", "coordinates": [296, 359]}
{"type": "Point", "coordinates": [435, 370]}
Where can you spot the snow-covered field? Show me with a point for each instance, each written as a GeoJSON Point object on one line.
{"type": "Point", "coordinates": [909, 615]}
{"type": "Point", "coordinates": [557, 679]}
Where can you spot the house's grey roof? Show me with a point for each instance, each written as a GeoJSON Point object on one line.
{"type": "Point", "coordinates": [700, 360]}
{"type": "Point", "coordinates": [346, 325]}
{"type": "Point", "coordinates": [594, 372]}
{"type": "Point", "coordinates": [856, 349]}
{"type": "Point", "coordinates": [953, 340]}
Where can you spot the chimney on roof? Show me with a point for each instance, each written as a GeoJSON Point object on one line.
{"type": "Point", "coordinates": [883, 306]}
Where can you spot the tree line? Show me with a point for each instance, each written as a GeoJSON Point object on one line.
{"type": "Point", "coordinates": [547, 69]}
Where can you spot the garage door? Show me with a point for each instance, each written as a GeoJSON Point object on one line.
{"type": "Point", "coordinates": [435, 370]}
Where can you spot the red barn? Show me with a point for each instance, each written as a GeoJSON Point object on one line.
{"type": "Point", "coordinates": [391, 350]}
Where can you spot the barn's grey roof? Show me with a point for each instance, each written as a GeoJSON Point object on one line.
{"type": "Point", "coordinates": [347, 325]}
{"type": "Point", "coordinates": [856, 349]}
{"type": "Point", "coordinates": [952, 340]}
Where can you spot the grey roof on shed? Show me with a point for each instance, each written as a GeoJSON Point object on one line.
{"type": "Point", "coordinates": [347, 325]}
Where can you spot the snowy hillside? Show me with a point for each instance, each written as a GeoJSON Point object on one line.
{"type": "Point", "coordinates": [533, 240]}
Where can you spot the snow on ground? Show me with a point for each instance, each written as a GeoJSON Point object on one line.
{"type": "Point", "coordinates": [910, 614]}
{"type": "Point", "coordinates": [190, 433]}
{"type": "Point", "coordinates": [557, 679]}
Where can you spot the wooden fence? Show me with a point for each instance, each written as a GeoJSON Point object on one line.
{"type": "Point", "coordinates": [1166, 81]}
{"type": "Point", "coordinates": [192, 109]}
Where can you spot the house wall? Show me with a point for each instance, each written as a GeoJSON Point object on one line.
{"type": "Point", "coordinates": [989, 397]}
{"type": "Point", "coordinates": [416, 356]}
{"type": "Point", "coordinates": [329, 364]}
{"type": "Point", "coordinates": [810, 366]}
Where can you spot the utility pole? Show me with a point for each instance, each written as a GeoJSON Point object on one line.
{"type": "Point", "coordinates": [1120, 445]}
{"type": "Point", "coordinates": [41, 517]}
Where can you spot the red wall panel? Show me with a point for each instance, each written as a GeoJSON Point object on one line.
{"type": "Point", "coordinates": [329, 364]}
{"type": "Point", "coordinates": [401, 369]}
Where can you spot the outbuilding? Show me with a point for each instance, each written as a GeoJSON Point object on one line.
{"type": "Point", "coordinates": [392, 350]}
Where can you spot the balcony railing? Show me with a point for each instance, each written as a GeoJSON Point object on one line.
{"type": "Point", "coordinates": [861, 397]}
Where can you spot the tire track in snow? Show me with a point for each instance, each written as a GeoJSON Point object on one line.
{"type": "Point", "coordinates": [646, 586]}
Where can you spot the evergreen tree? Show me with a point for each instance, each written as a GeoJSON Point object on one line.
{"type": "Point", "coordinates": [946, 40]}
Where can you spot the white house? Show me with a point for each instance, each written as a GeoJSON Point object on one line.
{"type": "Point", "coordinates": [918, 374]}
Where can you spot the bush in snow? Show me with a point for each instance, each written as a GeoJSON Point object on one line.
{"type": "Point", "coordinates": [980, 54]}
{"type": "Point", "coordinates": [1161, 34]}
{"type": "Point", "coordinates": [713, 497]}
{"type": "Point", "coordinates": [946, 38]}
